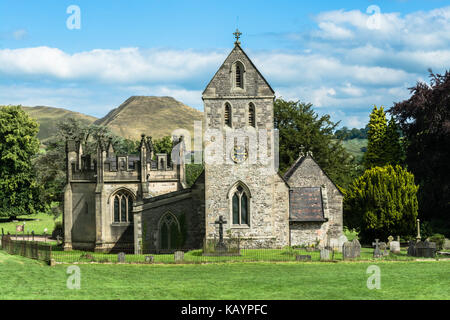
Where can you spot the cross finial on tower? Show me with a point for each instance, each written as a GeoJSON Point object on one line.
{"type": "Point", "coordinates": [237, 34]}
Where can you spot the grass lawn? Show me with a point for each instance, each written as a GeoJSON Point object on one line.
{"type": "Point", "coordinates": [23, 278]}
{"type": "Point", "coordinates": [36, 222]}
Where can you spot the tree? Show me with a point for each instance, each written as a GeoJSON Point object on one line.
{"type": "Point", "coordinates": [50, 166]}
{"type": "Point", "coordinates": [19, 190]}
{"type": "Point", "coordinates": [382, 202]}
{"type": "Point", "coordinates": [424, 119]}
{"type": "Point", "coordinates": [394, 153]}
{"type": "Point", "coordinates": [301, 128]}
{"type": "Point", "coordinates": [376, 146]}
{"type": "Point", "coordinates": [163, 145]}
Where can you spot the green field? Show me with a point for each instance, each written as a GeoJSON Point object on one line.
{"type": "Point", "coordinates": [36, 223]}
{"type": "Point", "coordinates": [354, 146]}
{"type": "Point", "coordinates": [23, 278]}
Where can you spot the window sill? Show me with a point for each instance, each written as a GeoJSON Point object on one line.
{"type": "Point", "coordinates": [240, 226]}
{"type": "Point", "coordinates": [121, 224]}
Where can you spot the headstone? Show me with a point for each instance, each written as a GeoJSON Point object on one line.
{"type": "Point", "coordinates": [376, 252]}
{"type": "Point", "coordinates": [390, 238]}
{"type": "Point", "coordinates": [351, 249]}
{"type": "Point", "coordinates": [425, 249]}
{"type": "Point", "coordinates": [446, 245]}
{"type": "Point", "coordinates": [412, 248]}
{"type": "Point", "coordinates": [341, 240]}
{"type": "Point", "coordinates": [149, 259]}
{"type": "Point", "coordinates": [300, 257]}
{"type": "Point", "coordinates": [395, 247]}
{"type": "Point", "coordinates": [121, 257]}
{"type": "Point", "coordinates": [383, 249]}
{"type": "Point", "coordinates": [325, 254]}
{"type": "Point", "coordinates": [179, 256]}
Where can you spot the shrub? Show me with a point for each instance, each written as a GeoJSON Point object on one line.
{"type": "Point", "coordinates": [382, 202]}
{"type": "Point", "coordinates": [439, 239]}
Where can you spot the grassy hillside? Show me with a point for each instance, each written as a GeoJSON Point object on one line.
{"type": "Point", "coordinates": [48, 118]}
{"type": "Point", "coordinates": [155, 116]}
{"type": "Point", "coordinates": [354, 146]}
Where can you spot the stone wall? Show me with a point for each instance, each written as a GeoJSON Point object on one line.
{"type": "Point", "coordinates": [307, 173]}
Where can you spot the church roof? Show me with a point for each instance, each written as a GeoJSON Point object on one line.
{"type": "Point", "coordinates": [305, 204]}
{"type": "Point", "coordinates": [237, 50]}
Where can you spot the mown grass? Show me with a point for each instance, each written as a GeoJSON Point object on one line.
{"type": "Point", "coordinates": [37, 223]}
{"type": "Point", "coordinates": [23, 278]}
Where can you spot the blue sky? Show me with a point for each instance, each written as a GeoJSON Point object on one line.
{"type": "Point", "coordinates": [342, 56]}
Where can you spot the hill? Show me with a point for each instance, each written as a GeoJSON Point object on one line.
{"type": "Point", "coordinates": [155, 116]}
{"type": "Point", "coordinates": [355, 147]}
{"type": "Point", "coordinates": [48, 118]}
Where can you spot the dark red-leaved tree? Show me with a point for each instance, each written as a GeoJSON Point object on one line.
{"type": "Point", "coordinates": [425, 121]}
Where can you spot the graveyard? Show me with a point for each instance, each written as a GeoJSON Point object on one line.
{"type": "Point", "coordinates": [23, 278]}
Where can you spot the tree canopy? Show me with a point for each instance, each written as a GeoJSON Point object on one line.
{"type": "Point", "coordinates": [301, 129]}
{"type": "Point", "coordinates": [19, 191]}
{"type": "Point", "coordinates": [424, 119]}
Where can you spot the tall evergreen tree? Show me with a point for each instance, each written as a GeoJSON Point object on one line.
{"type": "Point", "coordinates": [19, 190]}
{"type": "Point", "coordinates": [376, 145]}
{"type": "Point", "coordinates": [394, 150]}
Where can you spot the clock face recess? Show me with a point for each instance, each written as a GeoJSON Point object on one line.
{"type": "Point", "coordinates": [239, 154]}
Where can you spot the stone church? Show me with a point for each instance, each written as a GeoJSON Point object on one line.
{"type": "Point", "coordinates": [115, 202]}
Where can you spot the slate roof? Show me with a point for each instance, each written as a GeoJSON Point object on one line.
{"type": "Point", "coordinates": [305, 204]}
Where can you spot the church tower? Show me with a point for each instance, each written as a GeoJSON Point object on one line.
{"type": "Point", "coordinates": [241, 180]}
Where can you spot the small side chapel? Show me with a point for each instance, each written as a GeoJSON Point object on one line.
{"type": "Point", "coordinates": [147, 206]}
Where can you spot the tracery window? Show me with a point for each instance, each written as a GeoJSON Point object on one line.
{"type": "Point", "coordinates": [240, 205]}
{"type": "Point", "coordinates": [123, 206]}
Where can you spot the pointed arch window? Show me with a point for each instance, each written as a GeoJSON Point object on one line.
{"type": "Point", "coordinates": [251, 115]}
{"type": "Point", "coordinates": [240, 205]}
{"type": "Point", "coordinates": [238, 75]}
{"type": "Point", "coordinates": [169, 232]}
{"type": "Point", "coordinates": [227, 115]}
{"type": "Point", "coordinates": [122, 207]}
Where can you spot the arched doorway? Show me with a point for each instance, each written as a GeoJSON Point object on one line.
{"type": "Point", "coordinates": [169, 232]}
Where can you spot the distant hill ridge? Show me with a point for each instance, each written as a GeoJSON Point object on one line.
{"type": "Point", "coordinates": [153, 116]}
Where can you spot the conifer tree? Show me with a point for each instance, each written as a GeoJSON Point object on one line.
{"type": "Point", "coordinates": [382, 202]}
{"type": "Point", "coordinates": [394, 150]}
{"type": "Point", "coordinates": [376, 145]}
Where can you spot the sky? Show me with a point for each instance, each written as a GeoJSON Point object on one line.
{"type": "Point", "coordinates": [344, 57]}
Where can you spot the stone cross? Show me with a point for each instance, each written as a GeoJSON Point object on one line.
{"type": "Point", "coordinates": [237, 34]}
{"type": "Point", "coordinates": [220, 222]}
{"type": "Point", "coordinates": [376, 252]}
{"type": "Point", "coordinates": [418, 230]}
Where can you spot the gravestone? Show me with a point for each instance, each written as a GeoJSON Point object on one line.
{"type": "Point", "coordinates": [390, 239]}
{"type": "Point", "coordinates": [179, 256]}
{"type": "Point", "coordinates": [446, 245]}
{"type": "Point", "coordinates": [300, 257]}
{"type": "Point", "coordinates": [412, 248]}
{"type": "Point", "coordinates": [395, 247]}
{"type": "Point", "coordinates": [149, 259]}
{"type": "Point", "coordinates": [351, 249]}
{"type": "Point", "coordinates": [221, 245]}
{"type": "Point", "coordinates": [325, 254]}
{"type": "Point", "coordinates": [425, 249]}
{"type": "Point", "coordinates": [383, 249]}
{"type": "Point", "coordinates": [341, 240]}
{"type": "Point", "coordinates": [121, 257]}
{"type": "Point", "coordinates": [376, 251]}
